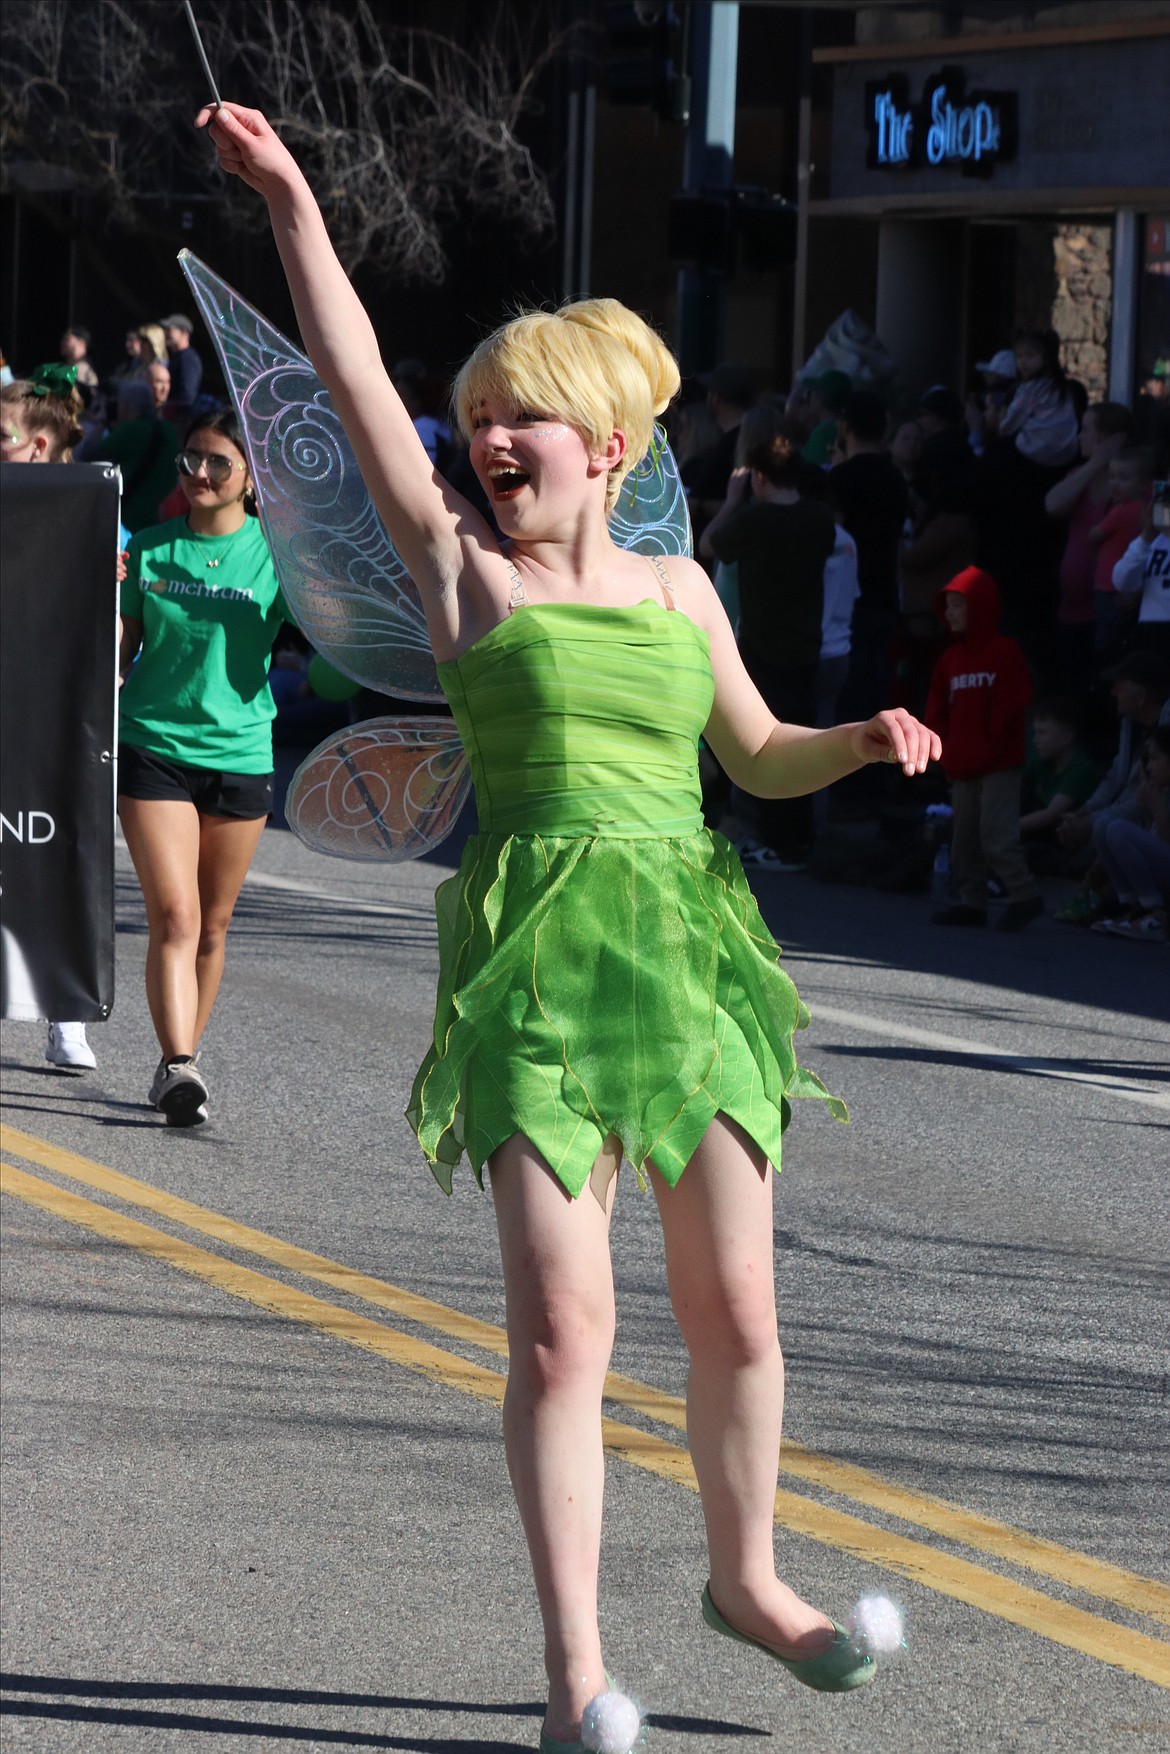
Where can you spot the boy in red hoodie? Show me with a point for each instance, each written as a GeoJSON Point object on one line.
{"type": "Point", "coordinates": [978, 701]}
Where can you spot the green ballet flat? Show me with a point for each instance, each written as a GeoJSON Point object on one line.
{"type": "Point", "coordinates": [838, 1669]}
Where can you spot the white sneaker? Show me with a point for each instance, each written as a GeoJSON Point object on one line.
{"type": "Point", "coordinates": [180, 1093]}
{"type": "Point", "coordinates": [68, 1048]}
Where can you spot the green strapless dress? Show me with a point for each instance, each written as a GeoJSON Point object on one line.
{"type": "Point", "coordinates": [603, 965]}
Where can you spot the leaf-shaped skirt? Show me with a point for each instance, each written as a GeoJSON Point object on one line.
{"type": "Point", "coordinates": [597, 984]}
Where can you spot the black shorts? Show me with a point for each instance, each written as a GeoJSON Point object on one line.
{"type": "Point", "coordinates": [147, 776]}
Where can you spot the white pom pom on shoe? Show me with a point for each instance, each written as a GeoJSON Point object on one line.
{"type": "Point", "coordinates": [877, 1626]}
{"type": "Point", "coordinates": [611, 1723]}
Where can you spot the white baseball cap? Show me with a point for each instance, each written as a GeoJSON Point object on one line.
{"type": "Point", "coordinates": [1003, 363]}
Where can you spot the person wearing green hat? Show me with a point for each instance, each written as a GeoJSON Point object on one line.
{"type": "Point", "coordinates": [829, 393]}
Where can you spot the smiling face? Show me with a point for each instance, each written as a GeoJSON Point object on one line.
{"type": "Point", "coordinates": [220, 475]}
{"type": "Point", "coordinates": [536, 469]}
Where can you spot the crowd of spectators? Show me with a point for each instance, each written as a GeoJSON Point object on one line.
{"type": "Point", "coordinates": [997, 563]}
{"type": "Point", "coordinates": [1010, 552]}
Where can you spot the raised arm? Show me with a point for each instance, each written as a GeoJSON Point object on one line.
{"type": "Point", "coordinates": [433, 528]}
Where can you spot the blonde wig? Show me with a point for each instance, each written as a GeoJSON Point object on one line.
{"type": "Point", "coordinates": [594, 364]}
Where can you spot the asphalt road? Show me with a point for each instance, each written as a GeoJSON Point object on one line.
{"type": "Point", "coordinates": [255, 1500]}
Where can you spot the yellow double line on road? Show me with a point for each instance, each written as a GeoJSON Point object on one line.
{"type": "Point", "coordinates": [943, 1572]}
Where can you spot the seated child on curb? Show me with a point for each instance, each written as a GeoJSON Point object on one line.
{"type": "Point", "coordinates": [978, 701]}
{"type": "Point", "coordinates": [1059, 776]}
{"type": "Point", "coordinates": [1137, 854]}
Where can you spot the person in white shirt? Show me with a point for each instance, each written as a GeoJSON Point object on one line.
{"type": "Point", "coordinates": [1145, 567]}
{"type": "Point", "coordinates": [841, 593]}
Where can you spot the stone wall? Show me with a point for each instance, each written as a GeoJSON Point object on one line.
{"type": "Point", "coordinates": [1064, 281]}
{"type": "Point", "coordinates": [1083, 259]}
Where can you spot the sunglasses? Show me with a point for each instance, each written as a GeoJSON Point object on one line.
{"type": "Point", "coordinates": [218, 468]}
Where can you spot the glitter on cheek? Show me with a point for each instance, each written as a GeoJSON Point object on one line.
{"type": "Point", "coordinates": [550, 434]}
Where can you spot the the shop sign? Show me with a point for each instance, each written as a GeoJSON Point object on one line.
{"type": "Point", "coordinates": [949, 128]}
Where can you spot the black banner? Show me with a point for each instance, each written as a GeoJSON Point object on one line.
{"type": "Point", "coordinates": [58, 700]}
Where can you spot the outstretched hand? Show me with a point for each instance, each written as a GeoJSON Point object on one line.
{"type": "Point", "coordinates": [247, 147]}
{"type": "Point", "coordinates": [898, 736]}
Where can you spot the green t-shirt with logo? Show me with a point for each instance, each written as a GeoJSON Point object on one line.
{"type": "Point", "coordinates": [210, 608]}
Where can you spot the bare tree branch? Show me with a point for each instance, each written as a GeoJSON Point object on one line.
{"type": "Point", "coordinates": [402, 133]}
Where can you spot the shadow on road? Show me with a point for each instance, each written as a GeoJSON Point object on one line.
{"type": "Point", "coordinates": [66, 1706]}
{"type": "Point", "coordinates": [814, 920]}
{"type": "Point", "coordinates": [1016, 1065]}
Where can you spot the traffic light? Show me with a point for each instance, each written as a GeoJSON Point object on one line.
{"type": "Point", "coordinates": [646, 57]}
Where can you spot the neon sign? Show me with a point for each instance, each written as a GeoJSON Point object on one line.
{"type": "Point", "coordinates": [949, 128]}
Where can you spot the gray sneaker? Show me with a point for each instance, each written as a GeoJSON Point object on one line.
{"type": "Point", "coordinates": [180, 1092]}
{"type": "Point", "coordinates": [156, 1085]}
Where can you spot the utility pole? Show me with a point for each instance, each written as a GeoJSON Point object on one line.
{"type": "Point", "coordinates": [708, 165]}
{"type": "Point", "coordinates": [580, 152]}
{"type": "Point", "coordinates": [803, 173]}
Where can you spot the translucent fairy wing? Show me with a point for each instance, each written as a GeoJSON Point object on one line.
{"type": "Point", "coordinates": [390, 788]}
{"type": "Point", "coordinates": [651, 515]}
{"type": "Point", "coordinates": [342, 579]}
{"type": "Point", "coordinates": [387, 789]}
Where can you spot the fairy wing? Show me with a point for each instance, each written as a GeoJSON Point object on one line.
{"type": "Point", "coordinates": [387, 789]}
{"type": "Point", "coordinates": [392, 789]}
{"type": "Point", "coordinates": [341, 576]}
{"type": "Point", "coordinates": [651, 515]}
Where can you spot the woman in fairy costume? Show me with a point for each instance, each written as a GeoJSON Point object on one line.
{"type": "Point", "coordinates": [607, 986]}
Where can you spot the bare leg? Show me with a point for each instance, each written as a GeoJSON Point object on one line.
{"type": "Point", "coordinates": [717, 1224]}
{"type": "Point", "coordinates": [560, 1333]}
{"type": "Point", "coordinates": [226, 849]}
{"type": "Point", "coordinates": [163, 837]}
